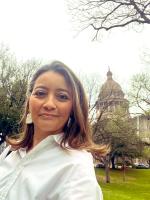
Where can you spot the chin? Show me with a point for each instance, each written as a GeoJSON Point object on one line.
{"type": "Point", "coordinates": [52, 131]}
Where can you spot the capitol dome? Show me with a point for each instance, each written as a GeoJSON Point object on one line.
{"type": "Point", "coordinates": [110, 89]}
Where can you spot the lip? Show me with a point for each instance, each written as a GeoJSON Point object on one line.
{"type": "Point", "coordinates": [48, 115]}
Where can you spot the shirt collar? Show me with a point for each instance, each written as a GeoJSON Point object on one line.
{"type": "Point", "coordinates": [56, 138]}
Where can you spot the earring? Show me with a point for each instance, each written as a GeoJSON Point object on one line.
{"type": "Point", "coordinates": [29, 119]}
{"type": "Point", "coordinates": [69, 122]}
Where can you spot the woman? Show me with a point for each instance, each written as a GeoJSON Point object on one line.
{"type": "Point", "coordinates": [51, 159]}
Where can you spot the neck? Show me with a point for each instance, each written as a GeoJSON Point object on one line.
{"type": "Point", "coordinates": [41, 135]}
{"type": "Point", "coordinates": [38, 137]}
{"type": "Point", "coordinates": [36, 140]}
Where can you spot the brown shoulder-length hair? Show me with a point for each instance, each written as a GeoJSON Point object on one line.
{"type": "Point", "coordinates": [78, 133]}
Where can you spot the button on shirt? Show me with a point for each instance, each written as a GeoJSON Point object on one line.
{"type": "Point", "coordinates": [48, 172]}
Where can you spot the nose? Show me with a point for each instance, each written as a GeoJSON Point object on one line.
{"type": "Point", "coordinates": [50, 102]}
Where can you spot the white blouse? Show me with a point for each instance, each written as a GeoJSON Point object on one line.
{"type": "Point", "coordinates": [48, 172]}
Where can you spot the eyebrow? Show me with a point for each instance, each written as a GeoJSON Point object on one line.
{"type": "Point", "coordinates": [58, 89]}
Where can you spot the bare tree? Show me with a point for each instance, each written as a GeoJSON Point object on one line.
{"type": "Point", "coordinates": [140, 92]}
{"type": "Point", "coordinates": [92, 84]}
{"type": "Point", "coordinates": [109, 14]}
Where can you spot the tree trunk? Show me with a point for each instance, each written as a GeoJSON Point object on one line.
{"type": "Point", "coordinates": [107, 169]}
{"type": "Point", "coordinates": [113, 162]}
{"type": "Point", "coordinates": [123, 167]}
{"type": "Point", "coordinates": [148, 163]}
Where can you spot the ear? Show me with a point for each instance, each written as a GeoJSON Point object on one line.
{"type": "Point", "coordinates": [29, 119]}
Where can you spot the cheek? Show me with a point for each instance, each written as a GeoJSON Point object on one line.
{"type": "Point", "coordinates": [33, 105]}
{"type": "Point", "coordinates": [66, 110]}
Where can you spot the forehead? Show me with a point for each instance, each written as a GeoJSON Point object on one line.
{"type": "Point", "coordinates": [52, 79]}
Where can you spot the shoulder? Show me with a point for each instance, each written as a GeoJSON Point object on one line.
{"type": "Point", "coordinates": [83, 163]}
{"type": "Point", "coordinates": [79, 163]}
{"type": "Point", "coordinates": [81, 156]}
{"type": "Point", "coordinates": [74, 156]}
{"type": "Point", "coordinates": [80, 179]}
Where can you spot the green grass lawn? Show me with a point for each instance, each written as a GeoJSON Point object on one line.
{"type": "Point", "coordinates": [135, 187]}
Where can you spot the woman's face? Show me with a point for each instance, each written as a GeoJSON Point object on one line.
{"type": "Point", "coordinates": [50, 103]}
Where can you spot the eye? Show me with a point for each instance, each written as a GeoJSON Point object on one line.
{"type": "Point", "coordinates": [63, 97]}
{"type": "Point", "coordinates": [39, 93]}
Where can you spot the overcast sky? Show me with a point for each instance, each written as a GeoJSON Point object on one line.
{"type": "Point", "coordinates": [42, 29]}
